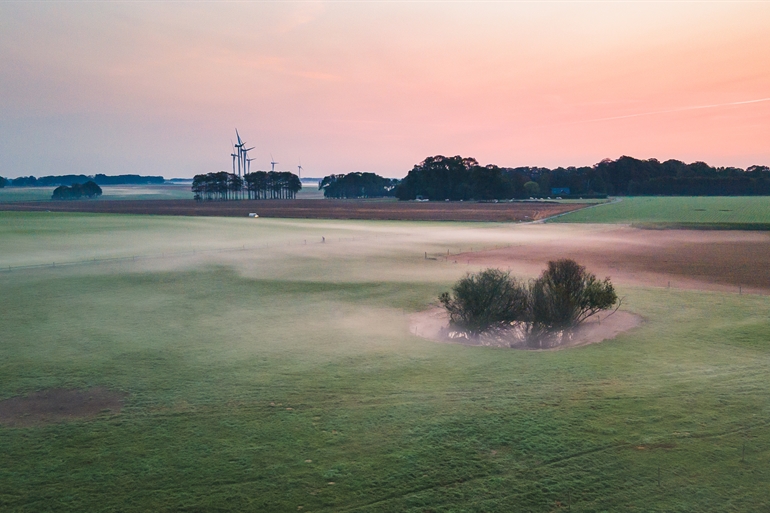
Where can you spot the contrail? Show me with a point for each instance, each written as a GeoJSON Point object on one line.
{"type": "Point", "coordinates": [681, 109]}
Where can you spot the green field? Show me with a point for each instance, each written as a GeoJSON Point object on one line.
{"type": "Point", "coordinates": [721, 211]}
{"type": "Point", "coordinates": [283, 377]}
{"type": "Point", "coordinates": [109, 192]}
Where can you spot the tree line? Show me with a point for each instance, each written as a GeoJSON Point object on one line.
{"type": "Point", "coordinates": [257, 185]}
{"type": "Point", "coordinates": [357, 185]}
{"type": "Point", "coordinates": [462, 178]}
{"type": "Point", "coordinates": [99, 179]}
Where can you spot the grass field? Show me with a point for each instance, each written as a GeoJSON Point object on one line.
{"type": "Point", "coordinates": [721, 211]}
{"type": "Point", "coordinates": [283, 378]}
{"type": "Point", "coordinates": [109, 192]}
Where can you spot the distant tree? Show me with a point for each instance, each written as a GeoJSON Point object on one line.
{"type": "Point", "coordinates": [357, 185]}
{"type": "Point", "coordinates": [24, 181]}
{"type": "Point", "coordinates": [566, 294]}
{"type": "Point", "coordinates": [77, 191]}
{"type": "Point", "coordinates": [486, 301]}
{"type": "Point", "coordinates": [3, 182]}
{"type": "Point", "coordinates": [532, 188]}
{"type": "Point", "coordinates": [62, 193]}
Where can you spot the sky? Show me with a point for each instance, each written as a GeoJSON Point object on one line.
{"type": "Point", "coordinates": [158, 88]}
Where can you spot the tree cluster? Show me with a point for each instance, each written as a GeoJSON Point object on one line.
{"type": "Point", "coordinates": [257, 185]}
{"type": "Point", "coordinates": [458, 178]}
{"type": "Point", "coordinates": [99, 179]}
{"type": "Point", "coordinates": [77, 191]}
{"type": "Point", "coordinates": [357, 185]}
{"type": "Point", "coordinates": [272, 185]}
{"type": "Point", "coordinates": [492, 301]}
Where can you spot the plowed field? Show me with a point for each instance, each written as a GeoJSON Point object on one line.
{"type": "Point", "coordinates": [314, 209]}
{"type": "Point", "coordinates": [715, 260]}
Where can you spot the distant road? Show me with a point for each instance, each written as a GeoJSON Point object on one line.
{"type": "Point", "coordinates": [313, 209]}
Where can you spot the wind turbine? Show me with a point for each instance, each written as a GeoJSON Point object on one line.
{"type": "Point", "coordinates": [245, 156]}
{"type": "Point", "coordinates": [233, 155]}
{"type": "Point", "coordinates": [240, 146]}
{"type": "Point", "coordinates": [272, 162]}
{"type": "Point", "coordinates": [299, 169]}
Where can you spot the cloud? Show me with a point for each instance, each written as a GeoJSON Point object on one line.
{"type": "Point", "coordinates": [669, 111]}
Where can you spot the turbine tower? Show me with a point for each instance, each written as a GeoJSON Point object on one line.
{"type": "Point", "coordinates": [299, 169]}
{"type": "Point", "coordinates": [245, 153]}
{"type": "Point", "coordinates": [272, 162]}
{"type": "Point", "coordinates": [234, 156]}
{"type": "Point", "coordinates": [240, 146]}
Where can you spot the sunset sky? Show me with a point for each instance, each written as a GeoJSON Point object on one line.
{"type": "Point", "coordinates": [159, 88]}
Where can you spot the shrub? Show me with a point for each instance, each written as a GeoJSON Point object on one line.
{"type": "Point", "coordinates": [562, 297]}
{"type": "Point", "coordinates": [486, 301]}
{"type": "Point", "coordinates": [566, 294]}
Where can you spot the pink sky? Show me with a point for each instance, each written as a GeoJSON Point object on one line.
{"type": "Point", "coordinates": [158, 88]}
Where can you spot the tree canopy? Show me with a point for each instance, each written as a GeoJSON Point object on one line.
{"type": "Point", "coordinates": [485, 301]}
{"type": "Point", "coordinates": [566, 294]}
{"type": "Point", "coordinates": [76, 191]}
{"type": "Point", "coordinates": [440, 178]}
{"type": "Point", "coordinates": [562, 297]}
{"type": "Point", "coordinates": [357, 185]}
{"type": "Point", "coordinates": [256, 185]}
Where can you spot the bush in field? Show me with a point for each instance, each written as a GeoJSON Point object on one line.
{"type": "Point", "coordinates": [562, 297]}
{"type": "Point", "coordinates": [566, 294]}
{"type": "Point", "coordinates": [486, 301]}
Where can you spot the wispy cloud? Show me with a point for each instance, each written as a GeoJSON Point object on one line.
{"type": "Point", "coordinates": [669, 111]}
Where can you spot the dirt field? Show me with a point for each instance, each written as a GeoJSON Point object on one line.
{"type": "Point", "coordinates": [314, 209]}
{"type": "Point", "coordinates": [716, 260]}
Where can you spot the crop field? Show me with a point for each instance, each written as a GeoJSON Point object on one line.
{"type": "Point", "coordinates": [268, 365]}
{"type": "Point", "coordinates": [745, 212]}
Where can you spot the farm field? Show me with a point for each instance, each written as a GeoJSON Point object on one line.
{"type": "Point", "coordinates": [744, 212]}
{"type": "Point", "coordinates": [374, 209]}
{"type": "Point", "coordinates": [267, 365]}
{"type": "Point", "coordinates": [109, 192]}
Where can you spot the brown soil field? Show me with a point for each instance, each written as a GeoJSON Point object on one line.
{"type": "Point", "coordinates": [714, 260]}
{"type": "Point", "coordinates": [58, 405]}
{"type": "Point", "coordinates": [313, 209]}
